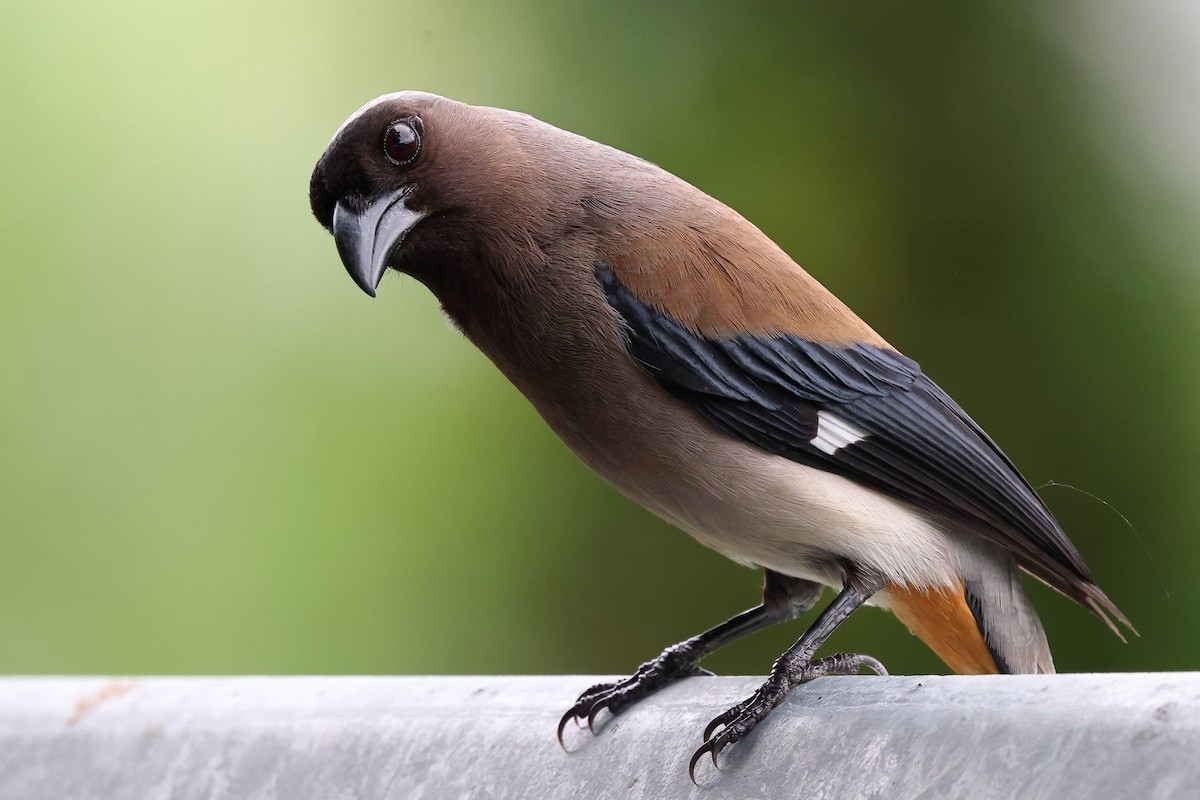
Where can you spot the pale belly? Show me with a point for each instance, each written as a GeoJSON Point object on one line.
{"type": "Point", "coordinates": [747, 504]}
{"type": "Point", "coordinates": [757, 508]}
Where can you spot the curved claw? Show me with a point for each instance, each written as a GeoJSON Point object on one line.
{"type": "Point", "coordinates": [721, 719]}
{"type": "Point", "coordinates": [707, 747]}
{"type": "Point", "coordinates": [713, 747]}
{"type": "Point", "coordinates": [873, 664]}
{"type": "Point", "coordinates": [596, 709]}
{"type": "Point", "coordinates": [562, 723]}
{"type": "Point", "coordinates": [591, 701]}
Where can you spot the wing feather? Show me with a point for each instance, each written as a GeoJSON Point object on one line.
{"type": "Point", "coordinates": [920, 446]}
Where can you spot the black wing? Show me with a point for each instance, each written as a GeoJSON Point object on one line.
{"type": "Point", "coordinates": [905, 437]}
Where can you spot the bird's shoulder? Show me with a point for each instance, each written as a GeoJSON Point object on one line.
{"type": "Point", "coordinates": [706, 266]}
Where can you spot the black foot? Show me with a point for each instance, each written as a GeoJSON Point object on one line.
{"type": "Point", "coordinates": [674, 663]}
{"type": "Point", "coordinates": [741, 719]}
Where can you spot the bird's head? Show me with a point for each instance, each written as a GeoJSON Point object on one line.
{"type": "Point", "coordinates": [414, 181]}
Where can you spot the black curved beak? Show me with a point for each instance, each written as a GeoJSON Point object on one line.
{"type": "Point", "coordinates": [366, 239]}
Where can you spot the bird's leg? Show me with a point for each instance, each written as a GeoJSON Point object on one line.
{"type": "Point", "coordinates": [796, 666]}
{"type": "Point", "coordinates": [784, 598]}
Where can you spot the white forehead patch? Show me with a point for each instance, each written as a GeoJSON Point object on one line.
{"type": "Point", "coordinates": [834, 433]}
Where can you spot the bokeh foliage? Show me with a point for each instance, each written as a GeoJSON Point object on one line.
{"type": "Point", "coordinates": [217, 456]}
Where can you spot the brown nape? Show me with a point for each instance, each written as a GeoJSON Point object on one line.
{"type": "Point", "coordinates": [942, 619]}
{"type": "Point", "coordinates": [719, 275]}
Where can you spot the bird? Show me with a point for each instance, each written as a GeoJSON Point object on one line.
{"type": "Point", "coordinates": [693, 364]}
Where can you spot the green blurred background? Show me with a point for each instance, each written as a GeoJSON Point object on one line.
{"type": "Point", "coordinates": [218, 456]}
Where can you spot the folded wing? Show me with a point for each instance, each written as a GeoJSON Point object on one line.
{"type": "Point", "coordinates": [865, 412]}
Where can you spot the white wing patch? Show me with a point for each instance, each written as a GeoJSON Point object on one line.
{"type": "Point", "coordinates": [834, 433]}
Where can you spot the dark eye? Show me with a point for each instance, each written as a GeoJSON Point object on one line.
{"type": "Point", "coordinates": [401, 142]}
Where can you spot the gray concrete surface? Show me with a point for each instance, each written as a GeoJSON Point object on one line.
{"type": "Point", "coordinates": [1067, 736]}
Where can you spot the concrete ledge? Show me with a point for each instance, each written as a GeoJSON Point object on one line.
{"type": "Point", "coordinates": [1125, 735]}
